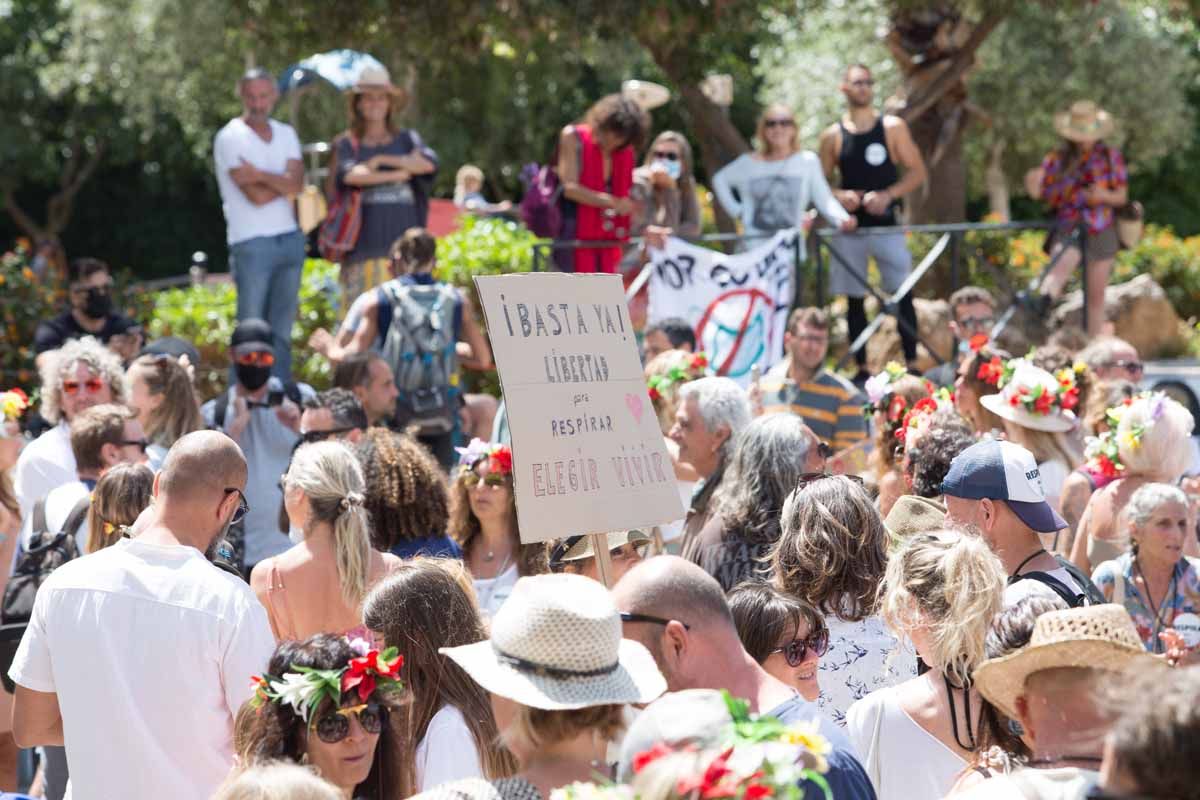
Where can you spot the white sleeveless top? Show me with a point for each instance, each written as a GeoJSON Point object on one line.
{"type": "Point", "coordinates": [903, 760]}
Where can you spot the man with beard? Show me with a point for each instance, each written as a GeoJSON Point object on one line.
{"type": "Point", "coordinates": [865, 148]}
{"type": "Point", "coordinates": [148, 638]}
{"type": "Point", "coordinates": [262, 414]}
{"type": "Point", "coordinates": [259, 169]}
{"type": "Point", "coordinates": [90, 313]}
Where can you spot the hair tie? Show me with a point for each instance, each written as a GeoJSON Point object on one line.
{"type": "Point", "coordinates": [351, 500]}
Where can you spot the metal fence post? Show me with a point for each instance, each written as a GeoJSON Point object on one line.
{"type": "Point", "coordinates": [954, 278]}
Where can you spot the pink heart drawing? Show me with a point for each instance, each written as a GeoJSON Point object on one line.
{"type": "Point", "coordinates": [634, 403]}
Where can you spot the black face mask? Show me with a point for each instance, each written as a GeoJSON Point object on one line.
{"type": "Point", "coordinates": [252, 377]}
{"type": "Point", "coordinates": [99, 303]}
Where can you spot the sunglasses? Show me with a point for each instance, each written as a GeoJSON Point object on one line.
{"type": "Point", "coordinates": [778, 123]}
{"type": "Point", "coordinates": [140, 444]}
{"type": "Point", "coordinates": [812, 477]}
{"type": "Point", "coordinates": [335, 726]}
{"type": "Point", "coordinates": [91, 385]}
{"type": "Point", "coordinates": [319, 436]}
{"type": "Point", "coordinates": [243, 506]}
{"type": "Point", "coordinates": [1132, 367]}
{"type": "Point", "coordinates": [258, 358]}
{"type": "Point", "coordinates": [858, 84]}
{"type": "Point", "coordinates": [81, 288]}
{"type": "Point", "coordinates": [666, 155]}
{"type": "Point", "coordinates": [825, 451]}
{"type": "Point", "coordinates": [796, 650]}
{"type": "Point", "coordinates": [976, 323]}
{"type": "Point", "coordinates": [628, 616]}
{"type": "Point", "coordinates": [493, 479]}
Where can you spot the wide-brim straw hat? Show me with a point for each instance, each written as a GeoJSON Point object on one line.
{"type": "Point", "coordinates": [376, 79]}
{"type": "Point", "coordinates": [556, 644]}
{"type": "Point", "coordinates": [1095, 637]}
{"type": "Point", "coordinates": [1027, 376]}
{"type": "Point", "coordinates": [1084, 121]}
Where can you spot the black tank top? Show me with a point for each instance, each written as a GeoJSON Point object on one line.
{"type": "Point", "coordinates": [866, 165]}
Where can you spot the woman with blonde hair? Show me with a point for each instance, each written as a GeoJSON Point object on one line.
{"type": "Point", "coordinates": [941, 591]}
{"type": "Point", "coordinates": [163, 398]}
{"type": "Point", "coordinates": [277, 781]}
{"type": "Point", "coordinates": [447, 725]}
{"type": "Point", "coordinates": [318, 585]}
{"type": "Point", "coordinates": [1150, 444]}
{"type": "Point", "coordinates": [831, 553]}
{"type": "Point", "coordinates": [772, 187]}
{"type": "Point", "coordinates": [121, 494]}
{"type": "Point", "coordinates": [468, 192]}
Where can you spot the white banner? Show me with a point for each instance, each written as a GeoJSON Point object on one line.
{"type": "Point", "coordinates": [738, 304]}
{"type": "Point", "coordinates": [588, 455]}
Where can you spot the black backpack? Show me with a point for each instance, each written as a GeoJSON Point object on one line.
{"type": "Point", "coordinates": [1091, 596]}
{"type": "Point", "coordinates": [46, 552]}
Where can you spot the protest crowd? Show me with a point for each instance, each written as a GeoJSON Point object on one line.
{"type": "Point", "coordinates": [979, 582]}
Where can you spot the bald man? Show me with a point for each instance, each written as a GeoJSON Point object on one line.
{"type": "Point", "coordinates": [678, 611]}
{"type": "Point", "coordinates": [147, 643]}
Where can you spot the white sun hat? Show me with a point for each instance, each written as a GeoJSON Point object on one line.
{"type": "Point", "coordinates": [556, 644]}
{"type": "Point", "coordinates": [1014, 402]}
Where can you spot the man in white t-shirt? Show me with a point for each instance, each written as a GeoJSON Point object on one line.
{"type": "Point", "coordinates": [995, 487]}
{"type": "Point", "coordinates": [82, 374]}
{"type": "Point", "coordinates": [139, 656]}
{"type": "Point", "coordinates": [259, 169]}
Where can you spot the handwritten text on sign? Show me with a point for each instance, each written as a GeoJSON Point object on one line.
{"type": "Point", "coordinates": [588, 455]}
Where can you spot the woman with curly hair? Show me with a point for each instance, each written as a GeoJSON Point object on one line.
{"type": "Point", "coordinates": [348, 735]}
{"type": "Point", "coordinates": [318, 585]}
{"type": "Point", "coordinates": [447, 726]}
{"type": "Point", "coordinates": [483, 520]}
{"type": "Point", "coordinates": [831, 553]}
{"type": "Point", "coordinates": [891, 394]}
{"type": "Point", "coordinates": [162, 396]}
{"type": "Point", "coordinates": [406, 496]}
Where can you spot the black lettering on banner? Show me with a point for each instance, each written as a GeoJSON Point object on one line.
{"type": "Point", "coordinates": [553, 318]}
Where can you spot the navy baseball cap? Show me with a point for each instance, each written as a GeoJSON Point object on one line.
{"type": "Point", "coordinates": [1000, 470]}
{"type": "Point", "coordinates": [252, 334]}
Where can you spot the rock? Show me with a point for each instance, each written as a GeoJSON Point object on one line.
{"type": "Point", "coordinates": [933, 320]}
{"type": "Point", "coordinates": [1140, 313]}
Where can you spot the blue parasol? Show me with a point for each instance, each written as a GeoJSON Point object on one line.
{"type": "Point", "coordinates": [339, 67]}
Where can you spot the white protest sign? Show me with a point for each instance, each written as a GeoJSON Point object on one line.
{"type": "Point", "coordinates": [738, 304]}
{"type": "Point", "coordinates": [1188, 626]}
{"type": "Point", "coordinates": [588, 455]}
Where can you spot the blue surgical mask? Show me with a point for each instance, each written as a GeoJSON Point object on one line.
{"type": "Point", "coordinates": [672, 168]}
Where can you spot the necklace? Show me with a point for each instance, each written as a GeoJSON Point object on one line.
{"type": "Point", "coordinates": [970, 745]}
{"type": "Point", "coordinates": [1157, 608]}
{"type": "Point", "coordinates": [1049, 760]}
{"type": "Point", "coordinates": [1027, 559]}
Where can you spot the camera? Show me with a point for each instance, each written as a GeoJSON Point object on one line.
{"type": "Point", "coordinates": [275, 398]}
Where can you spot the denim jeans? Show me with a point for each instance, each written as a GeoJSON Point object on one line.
{"type": "Point", "coordinates": [266, 271]}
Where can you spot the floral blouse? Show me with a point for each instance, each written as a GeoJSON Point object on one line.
{"type": "Point", "coordinates": [1185, 600]}
{"type": "Point", "coordinates": [1104, 166]}
{"type": "Point", "coordinates": [863, 656]}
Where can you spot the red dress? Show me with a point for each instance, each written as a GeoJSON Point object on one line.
{"type": "Point", "coordinates": [592, 224]}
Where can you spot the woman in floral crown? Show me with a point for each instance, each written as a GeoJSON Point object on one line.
{"type": "Point", "coordinates": [665, 373]}
{"type": "Point", "coordinates": [12, 405]}
{"type": "Point", "coordinates": [979, 376]}
{"type": "Point", "coordinates": [483, 520]}
{"type": "Point", "coordinates": [891, 394]}
{"type": "Point", "coordinates": [328, 702]}
{"type": "Point", "coordinates": [1147, 443]}
{"type": "Point", "coordinates": [1038, 411]}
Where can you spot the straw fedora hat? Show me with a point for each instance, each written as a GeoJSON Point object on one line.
{"type": "Point", "coordinates": [911, 515]}
{"type": "Point", "coordinates": [577, 548]}
{"type": "Point", "coordinates": [1097, 637]}
{"type": "Point", "coordinates": [1027, 378]}
{"type": "Point", "coordinates": [556, 644]}
{"type": "Point", "coordinates": [377, 79]}
{"type": "Point", "coordinates": [1083, 121]}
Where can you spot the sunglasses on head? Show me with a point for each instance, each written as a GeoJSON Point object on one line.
{"type": "Point", "coordinates": [667, 155]}
{"type": "Point", "coordinates": [91, 385]}
{"type": "Point", "coordinates": [243, 506]}
{"type": "Point", "coordinates": [778, 123]}
{"type": "Point", "coordinates": [813, 477]}
{"type": "Point", "coordinates": [335, 726]}
{"type": "Point", "coordinates": [258, 358]}
{"type": "Point", "coordinates": [796, 650]}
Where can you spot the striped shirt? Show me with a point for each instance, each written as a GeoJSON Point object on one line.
{"type": "Point", "coordinates": [829, 404]}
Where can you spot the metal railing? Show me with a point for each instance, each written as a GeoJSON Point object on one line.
{"type": "Point", "coordinates": [824, 246]}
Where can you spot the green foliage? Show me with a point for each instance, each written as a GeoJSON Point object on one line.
{"type": "Point", "coordinates": [24, 302]}
{"type": "Point", "coordinates": [206, 316]}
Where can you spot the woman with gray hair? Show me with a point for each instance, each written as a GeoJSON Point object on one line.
{"type": "Point", "coordinates": [770, 456]}
{"type": "Point", "coordinates": [832, 553]}
{"type": "Point", "coordinates": [81, 374]}
{"type": "Point", "coordinates": [1156, 583]}
{"type": "Point", "coordinates": [318, 586]}
{"type": "Point", "coordinates": [710, 415]}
